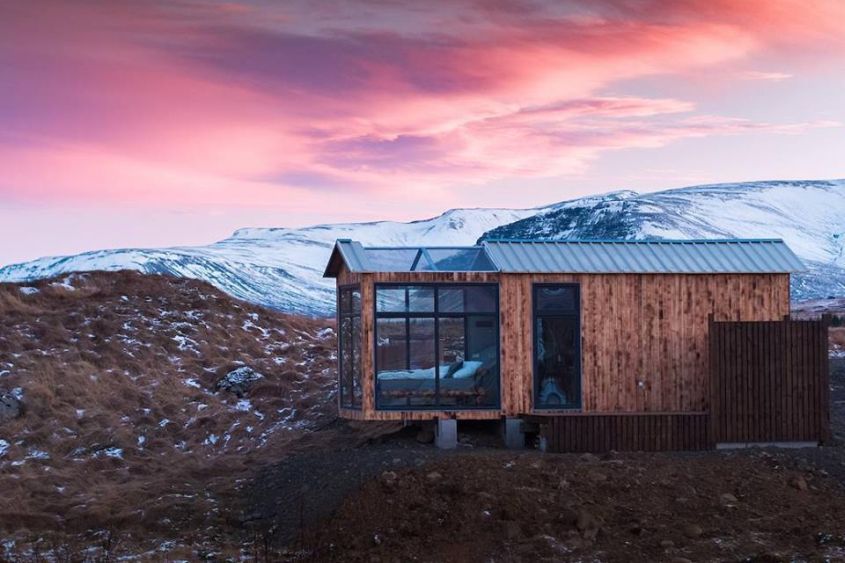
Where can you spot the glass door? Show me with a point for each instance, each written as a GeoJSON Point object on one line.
{"type": "Point", "coordinates": [557, 347]}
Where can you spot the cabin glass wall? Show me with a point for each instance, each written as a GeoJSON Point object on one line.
{"type": "Point", "coordinates": [451, 344]}
{"type": "Point", "coordinates": [349, 347]}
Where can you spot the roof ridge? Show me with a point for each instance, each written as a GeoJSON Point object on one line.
{"type": "Point", "coordinates": [636, 241]}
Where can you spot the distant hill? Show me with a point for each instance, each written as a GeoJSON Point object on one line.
{"type": "Point", "coordinates": [282, 268]}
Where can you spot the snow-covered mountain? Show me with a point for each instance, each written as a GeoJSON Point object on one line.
{"type": "Point", "coordinates": [282, 268]}
{"type": "Point", "coordinates": [808, 215]}
{"type": "Point", "coordinates": [278, 268]}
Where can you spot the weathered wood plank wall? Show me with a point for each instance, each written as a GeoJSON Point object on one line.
{"type": "Point", "coordinates": [626, 432]}
{"type": "Point", "coordinates": [644, 338]}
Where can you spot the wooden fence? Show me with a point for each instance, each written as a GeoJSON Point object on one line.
{"type": "Point", "coordinates": [769, 381]}
{"type": "Point", "coordinates": [627, 432]}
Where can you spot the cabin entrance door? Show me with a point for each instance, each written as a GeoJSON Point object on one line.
{"type": "Point", "coordinates": [557, 346]}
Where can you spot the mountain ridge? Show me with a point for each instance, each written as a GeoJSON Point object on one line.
{"type": "Point", "coordinates": [282, 267]}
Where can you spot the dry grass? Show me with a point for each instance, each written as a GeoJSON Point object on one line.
{"type": "Point", "coordinates": [836, 337]}
{"type": "Point", "coordinates": [123, 429]}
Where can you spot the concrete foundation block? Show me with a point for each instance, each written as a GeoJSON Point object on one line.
{"type": "Point", "coordinates": [446, 433]}
{"type": "Point", "coordinates": [513, 434]}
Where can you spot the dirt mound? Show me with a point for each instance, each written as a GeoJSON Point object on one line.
{"type": "Point", "coordinates": [487, 506]}
{"type": "Point", "coordinates": [123, 428]}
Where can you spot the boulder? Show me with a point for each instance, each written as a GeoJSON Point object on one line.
{"type": "Point", "coordinates": [425, 436]}
{"type": "Point", "coordinates": [434, 476]}
{"type": "Point", "coordinates": [11, 407]}
{"type": "Point", "coordinates": [238, 380]}
{"type": "Point", "coordinates": [728, 498]}
{"type": "Point", "coordinates": [587, 524]}
{"type": "Point", "coordinates": [389, 479]}
{"type": "Point", "coordinates": [693, 531]}
{"type": "Point", "coordinates": [798, 483]}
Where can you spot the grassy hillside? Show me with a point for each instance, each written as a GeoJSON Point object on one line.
{"type": "Point", "coordinates": [124, 435]}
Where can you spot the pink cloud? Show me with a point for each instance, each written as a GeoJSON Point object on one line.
{"type": "Point", "coordinates": [282, 104]}
{"type": "Point", "coordinates": [763, 75]}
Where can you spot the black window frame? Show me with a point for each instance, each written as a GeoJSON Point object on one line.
{"type": "Point", "coordinates": [574, 314]}
{"type": "Point", "coordinates": [436, 315]}
{"type": "Point", "coordinates": [357, 351]}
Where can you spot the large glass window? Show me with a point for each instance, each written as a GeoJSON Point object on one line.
{"type": "Point", "coordinates": [349, 346]}
{"type": "Point", "coordinates": [557, 347]}
{"type": "Point", "coordinates": [437, 346]}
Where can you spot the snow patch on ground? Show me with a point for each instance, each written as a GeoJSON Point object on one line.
{"type": "Point", "coordinates": [63, 285]}
{"type": "Point", "coordinates": [29, 290]}
{"type": "Point", "coordinates": [186, 344]}
{"type": "Point", "coordinates": [4, 447]}
{"type": "Point", "coordinates": [243, 405]}
{"type": "Point", "coordinates": [113, 452]}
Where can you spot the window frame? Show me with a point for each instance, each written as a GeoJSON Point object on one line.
{"type": "Point", "coordinates": [356, 354]}
{"type": "Point", "coordinates": [535, 361]}
{"type": "Point", "coordinates": [436, 315]}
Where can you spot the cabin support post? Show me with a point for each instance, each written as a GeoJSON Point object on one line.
{"type": "Point", "coordinates": [512, 433]}
{"type": "Point", "coordinates": [446, 433]}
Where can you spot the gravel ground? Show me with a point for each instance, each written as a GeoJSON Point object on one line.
{"type": "Point", "coordinates": [349, 494]}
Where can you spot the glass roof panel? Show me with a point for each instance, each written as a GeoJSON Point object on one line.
{"type": "Point", "coordinates": [391, 259]}
{"type": "Point", "coordinates": [472, 259]}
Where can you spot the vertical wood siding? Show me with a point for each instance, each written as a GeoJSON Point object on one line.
{"type": "Point", "coordinates": [770, 381]}
{"type": "Point", "coordinates": [626, 432]}
{"type": "Point", "coordinates": [644, 338]}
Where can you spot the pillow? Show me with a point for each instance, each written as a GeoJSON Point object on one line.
{"type": "Point", "coordinates": [454, 368]}
{"type": "Point", "coordinates": [467, 370]}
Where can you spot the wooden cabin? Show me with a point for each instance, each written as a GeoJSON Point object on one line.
{"type": "Point", "coordinates": [515, 328]}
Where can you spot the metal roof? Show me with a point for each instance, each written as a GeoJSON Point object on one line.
{"type": "Point", "coordinates": [732, 256]}
{"type": "Point", "coordinates": [727, 256]}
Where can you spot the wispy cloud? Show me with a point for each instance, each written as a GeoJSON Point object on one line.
{"type": "Point", "coordinates": [280, 104]}
{"type": "Point", "coordinates": [761, 75]}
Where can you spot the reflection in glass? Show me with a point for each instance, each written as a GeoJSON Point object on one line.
{"type": "Point", "coordinates": [391, 259]}
{"type": "Point", "coordinates": [421, 299]}
{"type": "Point", "coordinates": [455, 260]}
{"type": "Point", "coordinates": [555, 299]}
{"type": "Point", "coordinates": [390, 300]}
{"type": "Point", "coordinates": [557, 370]}
{"type": "Point", "coordinates": [450, 300]}
{"type": "Point", "coordinates": [349, 347]}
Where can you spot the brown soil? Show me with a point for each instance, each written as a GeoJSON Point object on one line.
{"type": "Point", "coordinates": [411, 502]}
{"type": "Point", "coordinates": [106, 362]}
{"type": "Point", "coordinates": [534, 507]}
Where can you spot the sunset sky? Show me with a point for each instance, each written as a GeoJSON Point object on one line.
{"type": "Point", "coordinates": [176, 122]}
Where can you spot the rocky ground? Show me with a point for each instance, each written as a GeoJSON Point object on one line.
{"type": "Point", "coordinates": [151, 418]}
{"type": "Point", "coordinates": [393, 499]}
{"type": "Point", "coordinates": [628, 507]}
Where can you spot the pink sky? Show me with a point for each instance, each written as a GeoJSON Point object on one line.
{"type": "Point", "coordinates": [146, 124]}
